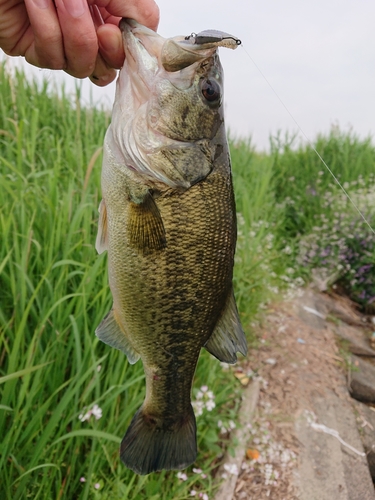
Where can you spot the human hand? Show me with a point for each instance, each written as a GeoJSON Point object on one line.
{"type": "Point", "coordinates": [79, 36]}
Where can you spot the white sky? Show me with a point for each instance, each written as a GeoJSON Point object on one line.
{"type": "Point", "coordinates": [318, 55]}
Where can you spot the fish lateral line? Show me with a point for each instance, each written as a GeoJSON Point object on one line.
{"type": "Point", "coordinates": [309, 142]}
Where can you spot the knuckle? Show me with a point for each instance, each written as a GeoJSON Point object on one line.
{"type": "Point", "coordinates": [83, 42]}
{"type": "Point", "coordinates": [81, 54]}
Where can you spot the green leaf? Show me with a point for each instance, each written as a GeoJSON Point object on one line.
{"type": "Point", "coordinates": [6, 408]}
{"type": "Point", "coordinates": [89, 433]}
{"type": "Point", "coordinates": [23, 372]}
{"type": "Point", "coordinates": [42, 466]}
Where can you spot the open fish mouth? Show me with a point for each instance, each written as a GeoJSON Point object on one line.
{"type": "Point", "coordinates": [142, 50]}
{"type": "Point", "coordinates": [173, 54]}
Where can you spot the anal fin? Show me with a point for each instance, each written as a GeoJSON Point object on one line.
{"type": "Point", "coordinates": [111, 333]}
{"type": "Point", "coordinates": [101, 244]}
{"type": "Point", "coordinates": [228, 338]}
{"type": "Point", "coordinates": [145, 226]}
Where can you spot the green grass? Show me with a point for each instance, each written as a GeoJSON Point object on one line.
{"type": "Point", "coordinates": [54, 292]}
{"type": "Point", "coordinates": [300, 176]}
{"type": "Point", "coordinates": [327, 236]}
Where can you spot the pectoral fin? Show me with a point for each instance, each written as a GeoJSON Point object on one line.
{"type": "Point", "coordinates": [101, 244]}
{"type": "Point", "coordinates": [145, 226]}
{"type": "Point", "coordinates": [110, 332]}
{"type": "Point", "coordinates": [228, 337]}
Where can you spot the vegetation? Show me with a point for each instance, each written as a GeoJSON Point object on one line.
{"type": "Point", "coordinates": [66, 398]}
{"type": "Point", "coordinates": [331, 237]}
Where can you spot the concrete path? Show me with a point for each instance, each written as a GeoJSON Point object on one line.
{"type": "Point", "coordinates": [329, 469]}
{"type": "Point", "coordinates": [308, 387]}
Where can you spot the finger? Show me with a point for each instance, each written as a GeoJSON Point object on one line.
{"type": "Point", "coordinates": [79, 37]}
{"type": "Point", "coordinates": [102, 74]}
{"type": "Point", "coordinates": [15, 33]}
{"type": "Point", "coordinates": [45, 48]}
{"type": "Point", "coordinates": [111, 45]}
{"type": "Point", "coordinates": [145, 12]}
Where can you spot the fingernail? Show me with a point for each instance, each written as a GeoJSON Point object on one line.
{"type": "Point", "coordinates": [76, 8]}
{"type": "Point", "coordinates": [41, 4]}
{"type": "Point", "coordinates": [96, 15]}
{"type": "Point", "coordinates": [103, 80]}
{"type": "Point", "coordinates": [106, 78]}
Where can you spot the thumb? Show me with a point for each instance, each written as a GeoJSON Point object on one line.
{"type": "Point", "coordinates": [111, 45]}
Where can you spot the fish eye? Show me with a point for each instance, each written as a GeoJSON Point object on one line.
{"type": "Point", "coordinates": [211, 90]}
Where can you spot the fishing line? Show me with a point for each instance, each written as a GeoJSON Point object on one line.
{"type": "Point", "coordinates": [309, 141]}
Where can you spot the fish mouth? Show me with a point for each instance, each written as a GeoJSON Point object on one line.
{"type": "Point", "coordinates": [167, 108]}
{"type": "Point", "coordinates": [141, 44]}
{"type": "Point", "coordinates": [150, 57]}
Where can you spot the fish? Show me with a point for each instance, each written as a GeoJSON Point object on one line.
{"type": "Point", "coordinates": [167, 220]}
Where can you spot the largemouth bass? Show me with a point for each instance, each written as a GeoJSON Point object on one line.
{"type": "Point", "coordinates": [167, 220]}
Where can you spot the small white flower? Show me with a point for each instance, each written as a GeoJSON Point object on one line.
{"type": "Point", "coordinates": [198, 407]}
{"type": "Point", "coordinates": [197, 471]}
{"type": "Point", "coordinates": [82, 479]}
{"type": "Point", "coordinates": [97, 412]}
{"type": "Point", "coordinates": [210, 405]}
{"type": "Point", "coordinates": [193, 493]}
{"type": "Point", "coordinates": [84, 416]}
{"type": "Point", "coordinates": [182, 476]}
{"type": "Point", "coordinates": [97, 486]}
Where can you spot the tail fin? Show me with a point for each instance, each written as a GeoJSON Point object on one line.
{"type": "Point", "coordinates": [152, 444]}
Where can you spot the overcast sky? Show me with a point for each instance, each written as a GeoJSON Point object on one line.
{"type": "Point", "coordinates": [318, 55]}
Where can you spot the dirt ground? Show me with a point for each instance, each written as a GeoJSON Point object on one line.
{"type": "Point", "coordinates": [297, 360]}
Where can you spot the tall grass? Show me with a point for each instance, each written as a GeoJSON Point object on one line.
{"type": "Point", "coordinates": [254, 188]}
{"type": "Point", "coordinates": [327, 237]}
{"type": "Point", "coordinates": [300, 176]}
{"type": "Point", "coordinates": [53, 293]}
